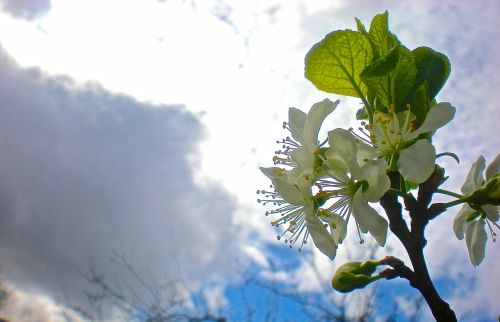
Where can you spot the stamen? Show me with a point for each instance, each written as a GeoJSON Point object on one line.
{"type": "Point", "coordinates": [492, 233]}
{"type": "Point", "coordinates": [365, 138]}
{"type": "Point", "coordinates": [361, 240]}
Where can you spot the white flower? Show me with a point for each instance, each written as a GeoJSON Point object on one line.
{"type": "Point", "coordinates": [471, 221]}
{"type": "Point", "coordinates": [353, 186]}
{"type": "Point", "coordinates": [393, 137]}
{"type": "Point", "coordinates": [302, 149]}
{"type": "Point", "coordinates": [297, 207]}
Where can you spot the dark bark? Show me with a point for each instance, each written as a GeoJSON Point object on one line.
{"type": "Point", "coordinates": [414, 241]}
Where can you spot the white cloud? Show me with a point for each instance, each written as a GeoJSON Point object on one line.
{"type": "Point", "coordinates": [215, 299]}
{"type": "Point", "coordinates": [26, 9]}
{"type": "Point", "coordinates": [85, 172]}
{"type": "Point", "coordinates": [26, 306]}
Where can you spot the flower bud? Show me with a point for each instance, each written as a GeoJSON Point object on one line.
{"type": "Point", "coordinates": [354, 275]}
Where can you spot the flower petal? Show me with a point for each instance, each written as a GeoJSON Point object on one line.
{"type": "Point", "coordinates": [492, 212]}
{"type": "Point", "coordinates": [475, 178]}
{"type": "Point", "coordinates": [438, 116]}
{"type": "Point", "coordinates": [459, 221]}
{"type": "Point", "coordinates": [416, 163]}
{"type": "Point", "coordinates": [296, 121]}
{"type": "Point", "coordinates": [289, 192]}
{"type": "Point", "coordinates": [338, 225]}
{"type": "Point", "coordinates": [342, 142]}
{"type": "Point", "coordinates": [335, 163]}
{"type": "Point", "coordinates": [315, 118]}
{"type": "Point", "coordinates": [304, 183]}
{"type": "Point", "coordinates": [304, 156]}
{"type": "Point", "coordinates": [366, 152]}
{"type": "Point", "coordinates": [475, 236]}
{"type": "Point", "coordinates": [368, 219]}
{"type": "Point", "coordinates": [493, 168]}
{"type": "Point", "coordinates": [273, 172]}
{"type": "Point", "coordinates": [378, 182]}
{"type": "Point", "coordinates": [320, 236]}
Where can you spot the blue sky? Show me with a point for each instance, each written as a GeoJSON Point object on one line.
{"type": "Point", "coordinates": [141, 126]}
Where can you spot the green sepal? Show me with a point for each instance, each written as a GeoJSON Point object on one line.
{"type": "Point", "coordinates": [489, 194]}
{"type": "Point", "coordinates": [355, 275]}
{"type": "Point", "coordinates": [408, 185]}
{"type": "Point", "coordinates": [362, 114]}
{"type": "Point", "coordinates": [473, 216]}
{"type": "Point", "coordinates": [363, 184]}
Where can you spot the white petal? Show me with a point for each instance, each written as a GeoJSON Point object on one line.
{"type": "Point", "coordinates": [492, 212]}
{"type": "Point", "coordinates": [368, 219]}
{"type": "Point", "coordinates": [475, 178]}
{"type": "Point", "coordinates": [475, 236]}
{"type": "Point", "coordinates": [315, 118]}
{"type": "Point", "coordinates": [459, 221]}
{"type": "Point", "coordinates": [416, 163]}
{"type": "Point", "coordinates": [273, 172]}
{"type": "Point", "coordinates": [288, 191]}
{"type": "Point", "coordinates": [493, 168]}
{"type": "Point", "coordinates": [378, 182]}
{"type": "Point", "coordinates": [320, 236]}
{"type": "Point", "coordinates": [293, 174]}
{"type": "Point", "coordinates": [305, 183]}
{"type": "Point", "coordinates": [366, 152]}
{"type": "Point", "coordinates": [335, 162]}
{"type": "Point", "coordinates": [296, 121]}
{"type": "Point", "coordinates": [342, 142]}
{"type": "Point", "coordinates": [338, 226]}
{"type": "Point", "coordinates": [304, 156]}
{"type": "Point", "coordinates": [438, 116]}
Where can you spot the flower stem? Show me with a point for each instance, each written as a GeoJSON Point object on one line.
{"type": "Point", "coordinates": [449, 193]}
{"type": "Point", "coordinates": [456, 202]}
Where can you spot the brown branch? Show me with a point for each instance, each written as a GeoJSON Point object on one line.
{"type": "Point", "coordinates": [414, 240]}
{"type": "Point", "coordinates": [399, 269]}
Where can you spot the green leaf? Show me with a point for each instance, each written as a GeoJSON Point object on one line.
{"type": "Point", "coordinates": [419, 103]}
{"type": "Point", "coordinates": [391, 77]}
{"type": "Point", "coordinates": [334, 64]}
{"type": "Point", "coordinates": [361, 27]}
{"type": "Point", "coordinates": [403, 77]}
{"type": "Point", "coordinates": [381, 39]}
{"type": "Point", "coordinates": [433, 67]}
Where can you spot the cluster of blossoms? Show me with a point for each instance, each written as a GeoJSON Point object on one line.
{"type": "Point", "coordinates": [318, 185]}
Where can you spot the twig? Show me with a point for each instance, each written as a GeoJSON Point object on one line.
{"type": "Point", "coordinates": [414, 240]}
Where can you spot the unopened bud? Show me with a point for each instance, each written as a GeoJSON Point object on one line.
{"type": "Point", "coordinates": [355, 275]}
